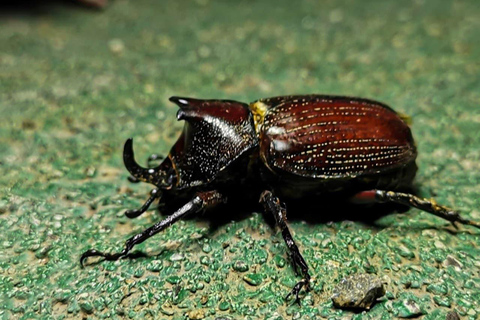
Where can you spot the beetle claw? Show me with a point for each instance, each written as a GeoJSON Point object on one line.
{"type": "Point", "coordinates": [89, 253]}
{"type": "Point", "coordinates": [296, 290]}
{"type": "Point", "coordinates": [107, 256]}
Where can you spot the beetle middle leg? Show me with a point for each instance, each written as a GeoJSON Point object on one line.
{"type": "Point", "coordinates": [427, 205]}
{"type": "Point", "coordinates": [199, 202]}
{"type": "Point", "coordinates": [272, 205]}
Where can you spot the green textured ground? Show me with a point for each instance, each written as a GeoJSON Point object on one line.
{"type": "Point", "coordinates": [75, 83]}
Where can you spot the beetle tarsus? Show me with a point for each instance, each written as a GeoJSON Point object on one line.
{"type": "Point", "coordinates": [154, 194]}
{"type": "Point", "coordinates": [95, 253]}
{"type": "Point", "coordinates": [296, 290]}
{"type": "Point", "coordinates": [427, 205]}
{"type": "Point", "coordinates": [466, 221]}
{"type": "Point", "coordinates": [299, 263]}
{"type": "Point", "coordinates": [273, 206]}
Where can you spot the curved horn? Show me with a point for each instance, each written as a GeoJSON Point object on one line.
{"type": "Point", "coordinates": [152, 175]}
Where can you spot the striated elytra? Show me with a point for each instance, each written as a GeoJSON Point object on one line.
{"type": "Point", "coordinates": [289, 147]}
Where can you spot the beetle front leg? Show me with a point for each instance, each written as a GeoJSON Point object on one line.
{"type": "Point", "coordinates": [272, 205]}
{"type": "Point", "coordinates": [154, 194]}
{"type": "Point", "coordinates": [427, 205]}
{"type": "Point", "coordinates": [198, 203]}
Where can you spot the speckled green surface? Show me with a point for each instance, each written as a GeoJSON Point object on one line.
{"type": "Point", "coordinates": [75, 83]}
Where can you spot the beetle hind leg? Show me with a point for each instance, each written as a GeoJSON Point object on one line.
{"type": "Point", "coordinates": [427, 205]}
{"type": "Point", "coordinates": [272, 205]}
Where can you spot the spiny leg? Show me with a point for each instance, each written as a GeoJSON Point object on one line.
{"type": "Point", "coordinates": [198, 203]}
{"type": "Point", "coordinates": [427, 205]}
{"type": "Point", "coordinates": [272, 205]}
{"type": "Point", "coordinates": [154, 194]}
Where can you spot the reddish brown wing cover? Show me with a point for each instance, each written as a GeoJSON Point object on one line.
{"type": "Point", "coordinates": [333, 137]}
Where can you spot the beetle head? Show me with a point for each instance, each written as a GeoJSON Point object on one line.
{"type": "Point", "coordinates": [163, 176]}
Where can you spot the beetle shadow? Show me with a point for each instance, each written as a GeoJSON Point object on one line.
{"type": "Point", "coordinates": [317, 210]}
{"type": "Point", "coordinates": [331, 210]}
{"type": "Point", "coordinates": [311, 211]}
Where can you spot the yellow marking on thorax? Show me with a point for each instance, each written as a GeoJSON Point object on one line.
{"type": "Point", "coordinates": [259, 109]}
{"type": "Point", "coordinates": [405, 118]}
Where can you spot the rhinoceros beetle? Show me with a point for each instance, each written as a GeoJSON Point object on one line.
{"type": "Point", "coordinates": [285, 147]}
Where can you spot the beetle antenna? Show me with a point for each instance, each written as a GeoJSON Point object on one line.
{"type": "Point", "coordinates": [155, 175]}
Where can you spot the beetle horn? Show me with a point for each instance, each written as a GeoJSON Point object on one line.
{"type": "Point", "coordinates": [155, 175]}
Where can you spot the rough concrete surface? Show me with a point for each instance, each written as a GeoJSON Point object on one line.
{"type": "Point", "coordinates": [76, 82]}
